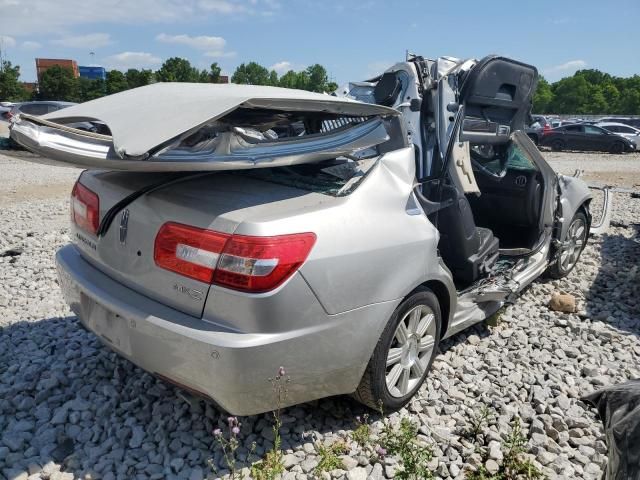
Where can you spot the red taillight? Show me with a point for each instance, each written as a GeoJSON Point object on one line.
{"type": "Point", "coordinates": [189, 251]}
{"type": "Point", "coordinates": [8, 115]}
{"type": "Point", "coordinates": [247, 263]}
{"type": "Point", "coordinates": [85, 208]}
{"type": "Point", "coordinates": [546, 130]}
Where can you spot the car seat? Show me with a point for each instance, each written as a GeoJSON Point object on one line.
{"type": "Point", "coordinates": [469, 251]}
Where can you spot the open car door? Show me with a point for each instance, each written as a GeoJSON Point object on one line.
{"type": "Point", "coordinates": [196, 127]}
{"type": "Point", "coordinates": [496, 95]}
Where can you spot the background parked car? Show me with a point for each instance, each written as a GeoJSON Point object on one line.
{"type": "Point", "coordinates": [634, 122]}
{"type": "Point", "coordinates": [586, 137]}
{"type": "Point", "coordinates": [538, 126]}
{"type": "Point", "coordinates": [36, 108]}
{"type": "Point", "coordinates": [626, 131]}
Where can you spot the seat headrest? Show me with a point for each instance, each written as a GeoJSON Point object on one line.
{"type": "Point", "coordinates": [387, 89]}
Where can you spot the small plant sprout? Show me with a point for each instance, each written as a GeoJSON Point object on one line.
{"type": "Point", "coordinates": [330, 456]}
{"type": "Point", "coordinates": [271, 466]}
{"type": "Point", "coordinates": [513, 466]}
{"type": "Point", "coordinates": [228, 445]}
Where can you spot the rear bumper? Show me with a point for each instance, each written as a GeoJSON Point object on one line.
{"type": "Point", "coordinates": [326, 356]}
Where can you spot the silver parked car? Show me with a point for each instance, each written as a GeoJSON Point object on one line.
{"type": "Point", "coordinates": [258, 227]}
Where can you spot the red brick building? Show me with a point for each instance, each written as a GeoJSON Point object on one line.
{"type": "Point", "coordinates": [43, 64]}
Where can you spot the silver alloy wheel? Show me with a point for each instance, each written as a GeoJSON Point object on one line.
{"type": "Point", "coordinates": [411, 350]}
{"type": "Point", "coordinates": [573, 244]}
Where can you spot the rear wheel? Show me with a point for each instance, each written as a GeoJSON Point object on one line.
{"type": "Point", "coordinates": [557, 145]}
{"type": "Point", "coordinates": [617, 147]}
{"type": "Point", "coordinates": [404, 353]}
{"type": "Point", "coordinates": [571, 247]}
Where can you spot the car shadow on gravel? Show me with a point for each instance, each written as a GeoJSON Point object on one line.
{"type": "Point", "coordinates": [614, 296]}
{"type": "Point", "coordinates": [67, 400]}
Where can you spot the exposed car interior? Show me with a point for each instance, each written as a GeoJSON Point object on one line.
{"type": "Point", "coordinates": [503, 219]}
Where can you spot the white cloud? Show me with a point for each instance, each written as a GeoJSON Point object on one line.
{"type": "Point", "coordinates": [201, 42]}
{"type": "Point", "coordinates": [91, 40]}
{"type": "Point", "coordinates": [27, 17]}
{"type": "Point", "coordinates": [31, 45]}
{"type": "Point", "coordinates": [219, 54]}
{"type": "Point", "coordinates": [214, 46]}
{"type": "Point", "coordinates": [567, 67]}
{"type": "Point", "coordinates": [125, 60]}
{"type": "Point", "coordinates": [281, 67]}
{"type": "Point", "coordinates": [7, 42]}
{"type": "Point", "coordinates": [222, 6]}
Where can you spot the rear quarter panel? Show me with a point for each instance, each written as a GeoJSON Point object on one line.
{"type": "Point", "coordinates": [369, 249]}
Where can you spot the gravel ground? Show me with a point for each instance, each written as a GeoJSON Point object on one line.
{"type": "Point", "coordinates": [604, 168]}
{"type": "Point", "coordinates": [70, 408]}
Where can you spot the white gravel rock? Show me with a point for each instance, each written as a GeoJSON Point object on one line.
{"type": "Point", "coordinates": [74, 408]}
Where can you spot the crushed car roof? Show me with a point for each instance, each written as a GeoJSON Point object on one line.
{"type": "Point", "coordinates": [146, 117]}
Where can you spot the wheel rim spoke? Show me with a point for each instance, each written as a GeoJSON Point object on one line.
{"type": "Point", "coordinates": [402, 334]}
{"type": "Point", "coordinates": [403, 384]}
{"type": "Point", "coordinates": [424, 325]}
{"type": "Point", "coordinates": [414, 319]}
{"type": "Point", "coordinates": [418, 368]}
{"type": "Point", "coordinates": [426, 344]}
{"type": "Point", "coordinates": [394, 376]}
{"type": "Point", "coordinates": [394, 356]}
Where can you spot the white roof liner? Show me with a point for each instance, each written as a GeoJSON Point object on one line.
{"type": "Point", "coordinates": [146, 117]}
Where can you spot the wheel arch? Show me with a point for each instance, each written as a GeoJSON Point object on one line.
{"type": "Point", "coordinates": [443, 294]}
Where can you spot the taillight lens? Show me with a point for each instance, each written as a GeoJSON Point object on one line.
{"type": "Point", "coordinates": [85, 208]}
{"type": "Point", "coordinates": [189, 251]}
{"type": "Point", "coordinates": [546, 129]}
{"type": "Point", "coordinates": [246, 263]}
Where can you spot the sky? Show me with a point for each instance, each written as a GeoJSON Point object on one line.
{"type": "Point", "coordinates": [353, 40]}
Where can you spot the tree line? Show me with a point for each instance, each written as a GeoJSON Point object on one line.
{"type": "Point", "coordinates": [589, 92]}
{"type": "Point", "coordinates": [585, 92]}
{"type": "Point", "coordinates": [59, 83]}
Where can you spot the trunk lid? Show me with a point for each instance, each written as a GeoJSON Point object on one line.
{"type": "Point", "coordinates": [218, 201]}
{"type": "Point", "coordinates": [187, 127]}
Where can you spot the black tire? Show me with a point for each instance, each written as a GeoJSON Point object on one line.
{"type": "Point", "coordinates": [558, 268]}
{"type": "Point", "coordinates": [373, 390]}
{"type": "Point", "coordinates": [617, 147]}
{"type": "Point", "coordinates": [557, 145]}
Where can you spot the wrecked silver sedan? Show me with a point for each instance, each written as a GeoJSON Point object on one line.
{"type": "Point", "coordinates": [342, 237]}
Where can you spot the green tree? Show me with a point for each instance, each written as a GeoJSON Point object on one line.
{"type": "Point", "coordinates": [289, 80]}
{"type": "Point", "coordinates": [570, 95]}
{"type": "Point", "coordinates": [58, 83]}
{"type": "Point", "coordinates": [596, 102]}
{"type": "Point", "coordinates": [116, 82]}
{"type": "Point", "coordinates": [138, 78]}
{"type": "Point", "coordinates": [251, 73]}
{"type": "Point", "coordinates": [318, 78]}
{"type": "Point", "coordinates": [214, 73]}
{"type": "Point", "coordinates": [629, 103]}
{"type": "Point", "coordinates": [611, 95]}
{"type": "Point", "coordinates": [273, 78]}
{"type": "Point", "coordinates": [88, 89]}
{"type": "Point", "coordinates": [10, 87]}
{"type": "Point", "coordinates": [543, 97]}
{"type": "Point", "coordinates": [177, 69]}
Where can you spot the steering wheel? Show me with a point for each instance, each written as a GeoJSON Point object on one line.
{"type": "Point", "coordinates": [486, 160]}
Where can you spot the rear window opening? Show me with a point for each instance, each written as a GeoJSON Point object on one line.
{"type": "Point", "coordinates": [337, 178]}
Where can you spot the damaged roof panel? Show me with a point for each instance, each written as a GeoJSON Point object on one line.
{"type": "Point", "coordinates": [178, 126]}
